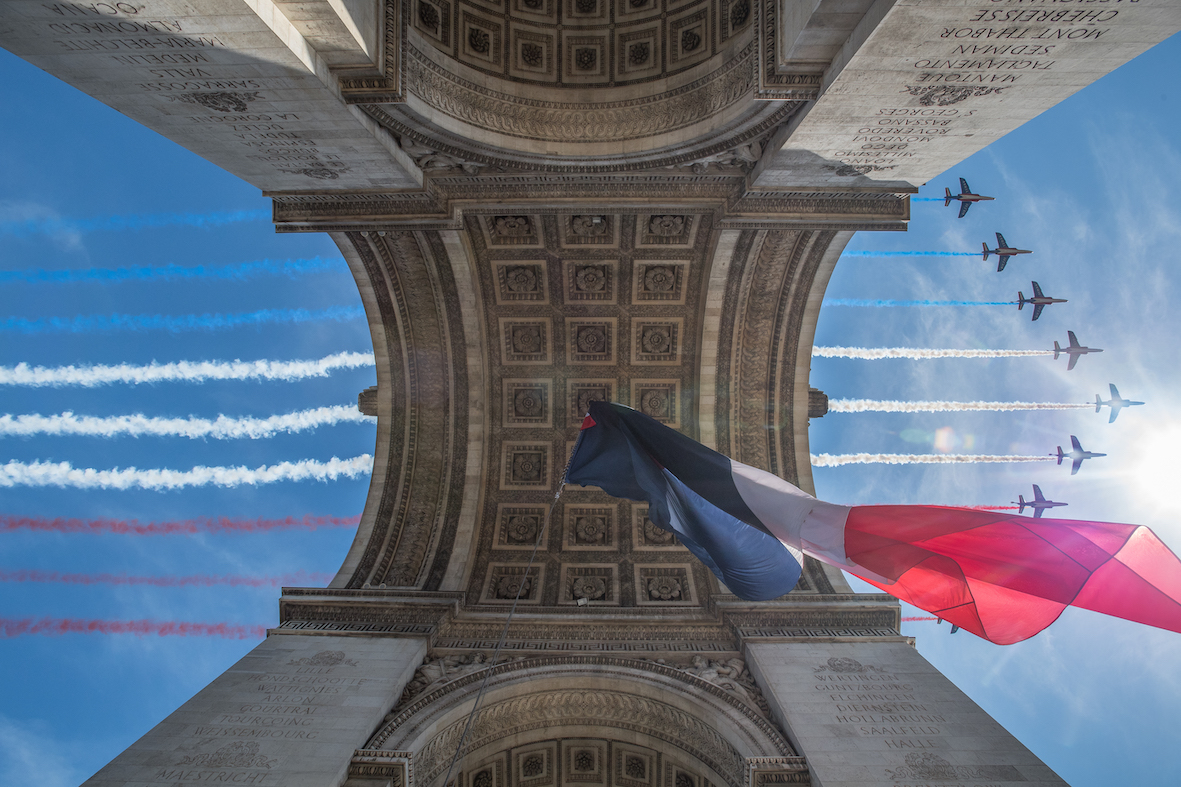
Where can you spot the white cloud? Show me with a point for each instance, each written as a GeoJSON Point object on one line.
{"type": "Point", "coordinates": [31, 755]}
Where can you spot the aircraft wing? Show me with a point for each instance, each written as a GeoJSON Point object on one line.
{"type": "Point", "coordinates": [1037, 493]}
{"type": "Point", "coordinates": [964, 209]}
{"type": "Point", "coordinates": [1037, 290]}
{"type": "Point", "coordinates": [1000, 241]}
{"type": "Point", "coordinates": [1073, 360]}
{"type": "Point", "coordinates": [1001, 262]}
{"type": "Point", "coordinates": [1037, 310]}
{"type": "Point", "coordinates": [964, 187]}
{"type": "Point", "coordinates": [1114, 412]}
{"type": "Point", "coordinates": [1074, 443]}
{"type": "Point", "coordinates": [1074, 467]}
{"type": "Point", "coordinates": [1037, 513]}
{"type": "Point", "coordinates": [1114, 392]}
{"type": "Point", "coordinates": [1073, 339]}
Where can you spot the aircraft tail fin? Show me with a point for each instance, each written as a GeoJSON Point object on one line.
{"type": "Point", "coordinates": [947, 197]}
{"type": "Point", "coordinates": [1057, 350]}
{"type": "Point", "coordinates": [1020, 300]}
{"type": "Point", "coordinates": [1061, 455]}
{"type": "Point", "coordinates": [1021, 502]}
{"type": "Point", "coordinates": [1098, 402]}
{"type": "Point", "coordinates": [985, 245]}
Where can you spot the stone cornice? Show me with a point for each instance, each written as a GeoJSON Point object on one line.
{"type": "Point", "coordinates": [723, 627]}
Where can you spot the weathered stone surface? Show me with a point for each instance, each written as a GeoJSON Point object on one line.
{"type": "Point", "coordinates": [934, 81]}
{"type": "Point", "coordinates": [289, 713]}
{"type": "Point", "coordinates": [879, 715]}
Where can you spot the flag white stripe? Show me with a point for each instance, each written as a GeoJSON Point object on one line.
{"type": "Point", "coordinates": [139, 425]}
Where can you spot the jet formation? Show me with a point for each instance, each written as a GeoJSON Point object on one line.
{"type": "Point", "coordinates": [1004, 251]}
{"type": "Point", "coordinates": [1116, 403]}
{"type": "Point", "coordinates": [1039, 300]}
{"type": "Point", "coordinates": [1074, 350]}
{"type": "Point", "coordinates": [966, 198]}
{"type": "Point", "coordinates": [1076, 454]}
{"type": "Point", "coordinates": [1038, 504]}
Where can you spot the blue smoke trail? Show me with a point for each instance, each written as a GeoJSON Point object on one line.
{"type": "Point", "coordinates": [868, 302]}
{"type": "Point", "coordinates": [131, 222]}
{"type": "Point", "coordinates": [926, 199]}
{"type": "Point", "coordinates": [91, 323]}
{"type": "Point", "coordinates": [911, 254]}
{"type": "Point", "coordinates": [237, 271]}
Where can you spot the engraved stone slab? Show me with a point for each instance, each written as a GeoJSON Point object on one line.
{"type": "Point", "coordinates": [937, 80]}
{"type": "Point", "coordinates": [290, 713]}
{"type": "Point", "coordinates": [868, 714]}
{"type": "Point", "coordinates": [241, 91]}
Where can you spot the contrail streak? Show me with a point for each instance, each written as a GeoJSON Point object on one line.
{"type": "Point", "coordinates": [175, 323]}
{"type": "Point", "coordinates": [916, 618]}
{"type": "Point", "coordinates": [217, 525]}
{"type": "Point", "coordinates": [298, 579]}
{"type": "Point", "coordinates": [926, 199]}
{"type": "Point", "coordinates": [878, 353]}
{"type": "Point", "coordinates": [139, 425]}
{"type": "Point", "coordinates": [883, 303]}
{"type": "Point", "coordinates": [18, 627]}
{"type": "Point", "coordinates": [993, 508]}
{"type": "Point", "coordinates": [181, 371]}
{"type": "Point", "coordinates": [837, 460]}
{"type": "Point", "coordinates": [131, 222]}
{"type": "Point", "coordinates": [235, 271]}
{"type": "Point", "coordinates": [63, 474]}
{"type": "Point", "coordinates": [889, 406]}
{"type": "Point", "coordinates": [910, 254]}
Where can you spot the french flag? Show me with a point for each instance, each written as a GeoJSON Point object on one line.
{"type": "Point", "coordinates": [1002, 577]}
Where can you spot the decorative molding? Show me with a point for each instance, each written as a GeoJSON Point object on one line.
{"type": "Point", "coordinates": [418, 722]}
{"type": "Point", "coordinates": [773, 84]}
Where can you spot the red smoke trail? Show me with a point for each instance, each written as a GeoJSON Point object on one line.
{"type": "Point", "coordinates": [299, 579]}
{"type": "Point", "coordinates": [199, 525]}
{"type": "Point", "coordinates": [992, 508]}
{"type": "Point", "coordinates": [17, 627]}
{"type": "Point", "coordinates": [914, 619]}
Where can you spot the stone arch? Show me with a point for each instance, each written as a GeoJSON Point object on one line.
{"type": "Point", "coordinates": [684, 723]}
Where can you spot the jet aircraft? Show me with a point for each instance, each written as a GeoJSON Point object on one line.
{"type": "Point", "coordinates": [1116, 403]}
{"type": "Point", "coordinates": [1076, 454]}
{"type": "Point", "coordinates": [966, 198]}
{"type": "Point", "coordinates": [1038, 504]}
{"type": "Point", "coordinates": [1038, 300]}
{"type": "Point", "coordinates": [1002, 250]}
{"type": "Point", "coordinates": [1074, 351]}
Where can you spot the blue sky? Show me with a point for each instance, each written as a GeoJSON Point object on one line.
{"type": "Point", "coordinates": [1089, 186]}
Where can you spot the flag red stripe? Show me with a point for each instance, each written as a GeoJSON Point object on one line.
{"type": "Point", "coordinates": [1006, 578]}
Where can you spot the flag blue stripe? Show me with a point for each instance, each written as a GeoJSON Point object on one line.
{"type": "Point", "coordinates": [705, 471]}
{"type": "Point", "coordinates": [631, 456]}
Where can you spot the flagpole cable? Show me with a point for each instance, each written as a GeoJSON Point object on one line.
{"type": "Point", "coordinates": [512, 610]}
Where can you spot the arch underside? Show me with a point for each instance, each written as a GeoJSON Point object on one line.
{"type": "Point", "coordinates": [491, 339]}
{"type": "Point", "coordinates": [583, 721]}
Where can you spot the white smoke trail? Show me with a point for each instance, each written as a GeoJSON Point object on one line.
{"type": "Point", "coordinates": [836, 460]}
{"type": "Point", "coordinates": [180, 371]}
{"type": "Point", "coordinates": [139, 425]}
{"type": "Point", "coordinates": [63, 474]}
{"type": "Point", "coordinates": [877, 353]}
{"type": "Point", "coordinates": [876, 406]}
